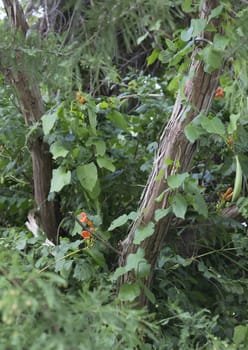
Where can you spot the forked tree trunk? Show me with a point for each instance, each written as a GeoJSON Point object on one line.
{"type": "Point", "coordinates": [31, 105]}
{"type": "Point", "coordinates": [199, 92]}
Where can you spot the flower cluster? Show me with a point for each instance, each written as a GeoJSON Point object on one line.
{"type": "Point", "coordinates": [227, 195]}
{"type": "Point", "coordinates": [219, 93]}
{"type": "Point", "coordinates": [230, 140]}
{"type": "Point", "coordinates": [80, 98]}
{"type": "Point", "coordinates": [86, 233]}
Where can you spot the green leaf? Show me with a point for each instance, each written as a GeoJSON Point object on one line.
{"type": "Point", "coordinates": [118, 119]}
{"type": "Point", "coordinates": [193, 132]}
{"type": "Point", "coordinates": [106, 163]}
{"type": "Point", "coordinates": [60, 111]}
{"type": "Point", "coordinates": [76, 229]}
{"type": "Point", "coordinates": [129, 291]}
{"type": "Point", "coordinates": [133, 215]}
{"type": "Point", "coordinates": [83, 271]}
{"type": "Point", "coordinates": [238, 180]}
{"type": "Point", "coordinates": [171, 45]}
{"type": "Point", "coordinates": [100, 147]}
{"type": "Point", "coordinates": [240, 335]}
{"type": "Point", "coordinates": [66, 268]}
{"type": "Point", "coordinates": [143, 269]}
{"type": "Point", "coordinates": [204, 269]}
{"type": "Point", "coordinates": [212, 58]}
{"type": "Point", "coordinates": [96, 191]}
{"type": "Point", "coordinates": [142, 233]}
{"type": "Point", "coordinates": [103, 105]}
{"type": "Point", "coordinates": [87, 175]}
{"type": "Point", "coordinates": [60, 178]}
{"type": "Point", "coordinates": [244, 164]}
{"type": "Point", "coordinates": [121, 220]}
{"type": "Point", "coordinates": [155, 26]}
{"type": "Point", "coordinates": [213, 125]}
{"type": "Point", "coordinates": [165, 56]}
{"type": "Point", "coordinates": [48, 121]}
{"type": "Point", "coordinates": [179, 205]}
{"type": "Point", "coordinates": [58, 150]}
{"type": "Point", "coordinates": [198, 26]}
{"type": "Point", "coordinates": [168, 161]}
{"type": "Point", "coordinates": [186, 35]}
{"type": "Point", "coordinates": [21, 243]}
{"type": "Point", "coordinates": [92, 119]}
{"type": "Point", "coordinates": [199, 204]}
{"type": "Point", "coordinates": [160, 174]}
{"type": "Point", "coordinates": [232, 126]}
{"type": "Point", "coordinates": [187, 6]}
{"type": "Point", "coordinates": [220, 42]}
{"type": "Point", "coordinates": [191, 186]}
{"type": "Point", "coordinates": [153, 57]}
{"type": "Point", "coordinates": [160, 197]}
{"type": "Point", "coordinates": [142, 38]}
{"type": "Point", "coordinates": [149, 294]}
{"type": "Point", "coordinates": [120, 271]}
{"type": "Point", "coordinates": [215, 12]}
{"type": "Point", "coordinates": [133, 260]}
{"type": "Point", "coordinates": [194, 196]}
{"type": "Point", "coordinates": [175, 181]}
{"type": "Point", "coordinates": [161, 213]}
{"type": "Point", "coordinates": [97, 256]}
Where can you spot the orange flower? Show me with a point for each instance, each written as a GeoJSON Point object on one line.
{"type": "Point", "coordinates": [219, 93]}
{"type": "Point", "coordinates": [227, 195]}
{"type": "Point", "coordinates": [82, 100]}
{"type": "Point", "coordinates": [85, 234]}
{"type": "Point", "coordinates": [83, 217]}
{"type": "Point", "coordinates": [78, 95]}
{"type": "Point", "coordinates": [230, 140]}
{"type": "Point", "coordinates": [88, 222]}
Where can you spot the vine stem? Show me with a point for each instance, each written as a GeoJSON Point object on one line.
{"type": "Point", "coordinates": [62, 258]}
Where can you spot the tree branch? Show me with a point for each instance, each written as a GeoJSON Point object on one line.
{"type": "Point", "coordinates": [16, 15]}
{"type": "Point", "coordinates": [32, 108]}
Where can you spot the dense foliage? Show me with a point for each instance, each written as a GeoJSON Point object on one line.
{"type": "Point", "coordinates": [109, 73]}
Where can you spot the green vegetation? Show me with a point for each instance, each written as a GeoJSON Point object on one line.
{"type": "Point", "coordinates": [108, 74]}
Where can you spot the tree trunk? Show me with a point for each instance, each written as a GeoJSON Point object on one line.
{"type": "Point", "coordinates": [199, 92]}
{"type": "Point", "coordinates": [31, 105]}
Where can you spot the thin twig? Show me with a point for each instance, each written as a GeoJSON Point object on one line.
{"type": "Point", "coordinates": [137, 95]}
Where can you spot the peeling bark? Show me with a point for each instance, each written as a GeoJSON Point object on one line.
{"type": "Point", "coordinates": [31, 105]}
{"type": "Point", "coordinates": [199, 92]}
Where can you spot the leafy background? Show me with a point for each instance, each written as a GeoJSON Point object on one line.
{"type": "Point", "coordinates": [127, 62]}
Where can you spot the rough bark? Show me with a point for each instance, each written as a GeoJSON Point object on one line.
{"type": "Point", "coordinates": [199, 92]}
{"type": "Point", "coordinates": [31, 105]}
